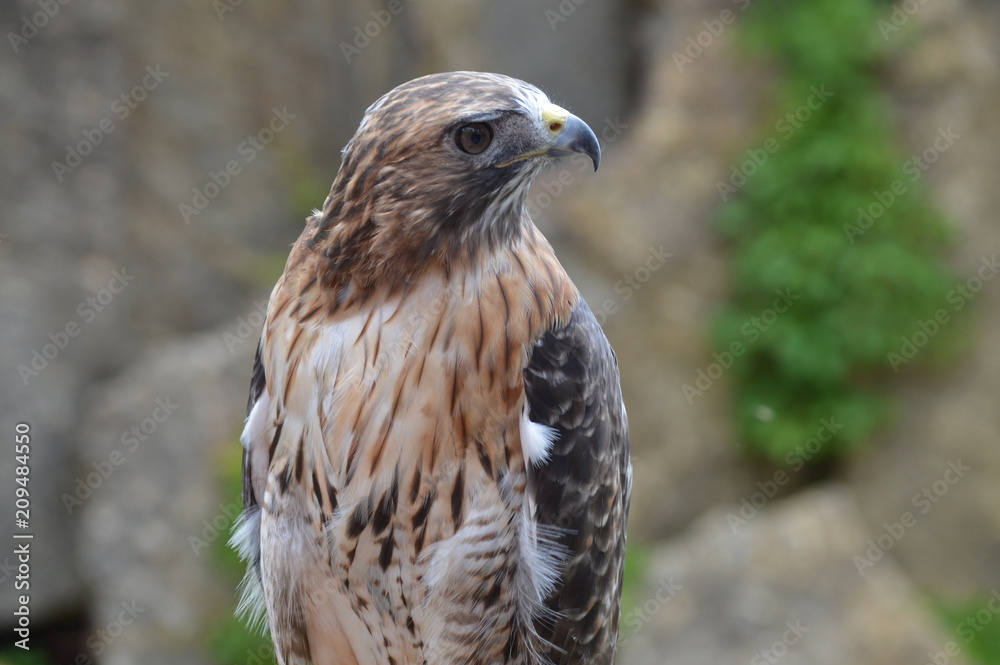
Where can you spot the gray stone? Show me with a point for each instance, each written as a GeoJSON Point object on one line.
{"type": "Point", "coordinates": [781, 587]}
{"type": "Point", "coordinates": [160, 431]}
{"type": "Point", "coordinates": [947, 410]}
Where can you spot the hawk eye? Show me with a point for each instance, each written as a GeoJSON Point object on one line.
{"type": "Point", "coordinates": [474, 138]}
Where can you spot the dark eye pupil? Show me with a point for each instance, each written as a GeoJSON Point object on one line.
{"type": "Point", "coordinates": [474, 138]}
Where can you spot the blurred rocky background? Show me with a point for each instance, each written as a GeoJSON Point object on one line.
{"type": "Point", "coordinates": [159, 158]}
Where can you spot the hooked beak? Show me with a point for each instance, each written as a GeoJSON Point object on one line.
{"type": "Point", "coordinates": [571, 135]}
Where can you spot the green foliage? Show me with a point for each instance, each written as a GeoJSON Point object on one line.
{"type": "Point", "coordinates": [230, 640]}
{"type": "Point", "coordinates": [636, 564]}
{"type": "Point", "coordinates": [975, 627]}
{"type": "Point", "coordinates": [306, 185]}
{"type": "Point", "coordinates": [16, 656]}
{"type": "Point", "coordinates": [796, 227]}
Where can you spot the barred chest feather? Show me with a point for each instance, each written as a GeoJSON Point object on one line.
{"type": "Point", "coordinates": [395, 525]}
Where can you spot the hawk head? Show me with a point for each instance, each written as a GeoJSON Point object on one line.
{"type": "Point", "coordinates": [438, 172]}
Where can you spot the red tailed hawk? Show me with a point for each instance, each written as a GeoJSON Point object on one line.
{"type": "Point", "coordinates": [436, 466]}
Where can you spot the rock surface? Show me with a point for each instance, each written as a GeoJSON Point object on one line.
{"type": "Point", "coordinates": [159, 433]}
{"type": "Point", "coordinates": [947, 413]}
{"type": "Point", "coordinates": [782, 587]}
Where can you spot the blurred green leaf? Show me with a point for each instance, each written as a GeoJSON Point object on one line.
{"type": "Point", "coordinates": [229, 640]}
{"type": "Point", "coordinates": [636, 564]}
{"type": "Point", "coordinates": [974, 626]}
{"type": "Point", "coordinates": [836, 217]}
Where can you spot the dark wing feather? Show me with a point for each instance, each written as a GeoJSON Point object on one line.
{"type": "Point", "coordinates": [572, 385]}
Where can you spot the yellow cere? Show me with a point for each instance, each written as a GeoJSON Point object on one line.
{"type": "Point", "coordinates": [554, 117]}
